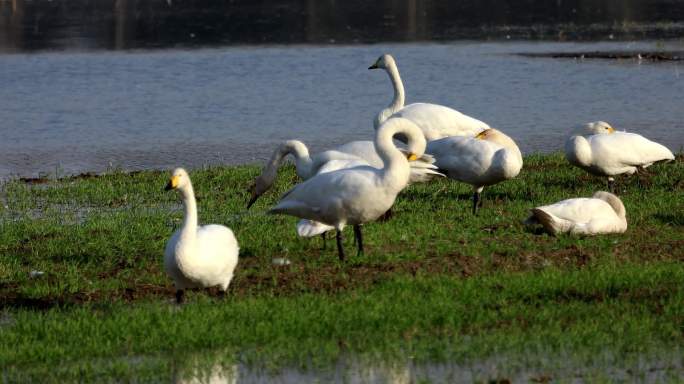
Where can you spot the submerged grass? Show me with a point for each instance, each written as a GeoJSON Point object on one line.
{"type": "Point", "coordinates": [436, 283]}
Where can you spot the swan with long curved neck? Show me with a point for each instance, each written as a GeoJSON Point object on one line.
{"type": "Point", "coordinates": [436, 121]}
{"type": "Point", "coordinates": [358, 195]}
{"type": "Point", "coordinates": [198, 256]}
{"type": "Point", "coordinates": [488, 158]}
{"type": "Point", "coordinates": [599, 214]}
{"type": "Point", "coordinates": [344, 156]}
{"type": "Point", "coordinates": [601, 150]}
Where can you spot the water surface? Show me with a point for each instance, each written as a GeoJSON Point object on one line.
{"type": "Point", "coordinates": [73, 112]}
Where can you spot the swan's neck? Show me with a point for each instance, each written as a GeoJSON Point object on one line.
{"type": "Point", "coordinates": [189, 229]}
{"type": "Point", "coordinates": [295, 148]}
{"type": "Point", "coordinates": [396, 171]}
{"type": "Point", "coordinates": [399, 97]}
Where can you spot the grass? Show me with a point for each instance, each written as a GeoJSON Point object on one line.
{"type": "Point", "coordinates": [436, 283]}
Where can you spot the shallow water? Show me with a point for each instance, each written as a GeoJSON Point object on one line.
{"type": "Point", "coordinates": [214, 368]}
{"type": "Point", "coordinates": [73, 112]}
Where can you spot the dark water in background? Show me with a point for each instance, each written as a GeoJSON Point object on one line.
{"type": "Point", "coordinates": [123, 24]}
{"type": "Point", "coordinates": [76, 112]}
{"type": "Point", "coordinates": [86, 85]}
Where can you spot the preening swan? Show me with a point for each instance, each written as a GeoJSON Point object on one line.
{"type": "Point", "coordinates": [358, 195]}
{"type": "Point", "coordinates": [602, 213]}
{"type": "Point", "coordinates": [488, 158]}
{"type": "Point", "coordinates": [600, 150]}
{"type": "Point", "coordinates": [198, 256]}
{"type": "Point", "coordinates": [436, 121]}
{"type": "Point", "coordinates": [347, 155]}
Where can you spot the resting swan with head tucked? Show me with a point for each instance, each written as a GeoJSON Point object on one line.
{"type": "Point", "coordinates": [198, 256]}
{"type": "Point", "coordinates": [602, 213]}
{"type": "Point", "coordinates": [600, 150]}
{"type": "Point", "coordinates": [358, 195]}
{"type": "Point", "coordinates": [486, 159]}
{"type": "Point", "coordinates": [436, 121]}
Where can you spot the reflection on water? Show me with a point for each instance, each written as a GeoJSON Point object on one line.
{"type": "Point", "coordinates": [123, 24]}
{"type": "Point", "coordinates": [74, 112]}
{"type": "Point", "coordinates": [528, 368]}
{"type": "Point", "coordinates": [654, 366]}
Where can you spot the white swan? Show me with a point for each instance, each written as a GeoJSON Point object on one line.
{"type": "Point", "coordinates": [602, 213]}
{"type": "Point", "coordinates": [198, 256]}
{"type": "Point", "coordinates": [344, 156]}
{"type": "Point", "coordinates": [436, 121]}
{"type": "Point", "coordinates": [600, 150]}
{"type": "Point", "coordinates": [357, 195]}
{"type": "Point", "coordinates": [488, 158]}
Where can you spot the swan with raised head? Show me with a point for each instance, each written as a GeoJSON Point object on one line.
{"type": "Point", "coordinates": [601, 150]}
{"type": "Point", "coordinates": [358, 195]}
{"type": "Point", "coordinates": [198, 256]}
{"type": "Point", "coordinates": [486, 159]}
{"type": "Point", "coordinates": [599, 214]}
{"type": "Point", "coordinates": [344, 156]}
{"type": "Point", "coordinates": [436, 121]}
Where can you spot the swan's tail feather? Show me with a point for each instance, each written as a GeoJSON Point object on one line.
{"type": "Point", "coordinates": [423, 169]}
{"type": "Point", "coordinates": [310, 228]}
{"type": "Point", "coordinates": [548, 221]}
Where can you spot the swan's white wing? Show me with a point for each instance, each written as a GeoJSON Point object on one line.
{"type": "Point", "coordinates": [310, 228]}
{"type": "Point", "coordinates": [334, 165]}
{"type": "Point", "coordinates": [464, 158]}
{"type": "Point", "coordinates": [626, 149]}
{"type": "Point", "coordinates": [437, 121]}
{"type": "Point", "coordinates": [580, 210]}
{"type": "Point", "coordinates": [338, 197]}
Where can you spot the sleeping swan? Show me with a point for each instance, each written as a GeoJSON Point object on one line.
{"type": "Point", "coordinates": [486, 159]}
{"type": "Point", "coordinates": [198, 256]}
{"type": "Point", "coordinates": [602, 213]}
{"type": "Point", "coordinates": [600, 150]}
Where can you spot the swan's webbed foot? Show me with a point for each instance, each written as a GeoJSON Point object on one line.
{"type": "Point", "coordinates": [359, 240]}
{"type": "Point", "coordinates": [179, 296]}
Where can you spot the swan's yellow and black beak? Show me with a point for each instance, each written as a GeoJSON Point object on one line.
{"type": "Point", "coordinates": [254, 197]}
{"type": "Point", "coordinates": [375, 65]}
{"type": "Point", "coordinates": [611, 130]}
{"type": "Point", "coordinates": [411, 156]}
{"type": "Point", "coordinates": [172, 184]}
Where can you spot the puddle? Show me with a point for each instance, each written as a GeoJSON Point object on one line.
{"type": "Point", "coordinates": [214, 368]}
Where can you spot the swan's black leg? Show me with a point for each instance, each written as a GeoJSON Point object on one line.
{"type": "Point", "coordinates": [323, 237]}
{"type": "Point", "coordinates": [179, 296]}
{"type": "Point", "coordinates": [340, 248]}
{"type": "Point", "coordinates": [611, 185]}
{"type": "Point", "coordinates": [476, 201]}
{"type": "Point", "coordinates": [359, 240]}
